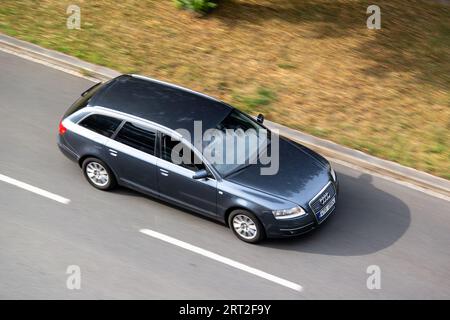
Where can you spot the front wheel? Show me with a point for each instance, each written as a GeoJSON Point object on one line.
{"type": "Point", "coordinates": [98, 174]}
{"type": "Point", "coordinates": [246, 226]}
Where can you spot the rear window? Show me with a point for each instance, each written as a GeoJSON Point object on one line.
{"type": "Point", "coordinates": [137, 137]}
{"type": "Point", "coordinates": [101, 124]}
{"type": "Point", "coordinates": [84, 99]}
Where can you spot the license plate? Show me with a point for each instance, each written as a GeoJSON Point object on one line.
{"type": "Point", "coordinates": [327, 208]}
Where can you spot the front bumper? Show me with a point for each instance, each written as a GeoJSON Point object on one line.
{"type": "Point", "coordinates": [288, 228]}
{"type": "Point", "coordinates": [297, 226]}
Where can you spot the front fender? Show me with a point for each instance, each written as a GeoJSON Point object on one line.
{"type": "Point", "coordinates": [232, 195]}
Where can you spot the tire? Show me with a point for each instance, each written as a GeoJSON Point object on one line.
{"type": "Point", "coordinates": [240, 219]}
{"type": "Point", "coordinates": [98, 174]}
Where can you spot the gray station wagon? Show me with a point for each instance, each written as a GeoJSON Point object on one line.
{"type": "Point", "coordinates": [124, 131]}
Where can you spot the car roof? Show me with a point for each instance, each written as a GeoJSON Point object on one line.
{"type": "Point", "coordinates": [169, 105]}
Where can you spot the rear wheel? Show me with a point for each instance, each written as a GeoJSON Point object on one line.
{"type": "Point", "coordinates": [98, 174]}
{"type": "Point", "coordinates": [246, 226]}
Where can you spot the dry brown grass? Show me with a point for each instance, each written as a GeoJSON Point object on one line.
{"type": "Point", "coordinates": [312, 65]}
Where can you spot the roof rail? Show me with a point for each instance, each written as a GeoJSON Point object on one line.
{"type": "Point", "coordinates": [174, 86]}
{"type": "Point", "coordinates": [132, 117]}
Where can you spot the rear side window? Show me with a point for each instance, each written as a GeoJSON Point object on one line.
{"type": "Point", "coordinates": [137, 137]}
{"type": "Point", "coordinates": [101, 124]}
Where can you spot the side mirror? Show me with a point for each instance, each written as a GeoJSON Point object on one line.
{"type": "Point", "coordinates": [260, 118]}
{"type": "Point", "coordinates": [200, 174]}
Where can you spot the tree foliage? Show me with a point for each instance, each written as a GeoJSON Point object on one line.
{"type": "Point", "coordinates": [199, 6]}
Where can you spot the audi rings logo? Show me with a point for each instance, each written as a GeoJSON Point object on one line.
{"type": "Point", "coordinates": [324, 198]}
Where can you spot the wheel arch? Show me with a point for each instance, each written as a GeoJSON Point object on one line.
{"type": "Point", "coordinates": [237, 207]}
{"type": "Point", "coordinates": [81, 159]}
{"type": "Point", "coordinates": [84, 157]}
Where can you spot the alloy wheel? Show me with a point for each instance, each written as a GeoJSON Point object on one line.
{"type": "Point", "coordinates": [245, 226]}
{"type": "Point", "coordinates": [97, 174]}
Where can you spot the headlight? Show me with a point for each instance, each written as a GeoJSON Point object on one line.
{"type": "Point", "coordinates": [288, 213]}
{"type": "Point", "coordinates": [333, 174]}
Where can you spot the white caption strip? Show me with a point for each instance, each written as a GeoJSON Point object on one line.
{"type": "Point", "coordinates": [219, 258]}
{"type": "Point", "coordinates": [33, 189]}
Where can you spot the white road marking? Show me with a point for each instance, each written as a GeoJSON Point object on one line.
{"type": "Point", "coordinates": [33, 189]}
{"type": "Point", "coordinates": [219, 258]}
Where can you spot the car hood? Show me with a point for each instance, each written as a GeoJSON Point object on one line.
{"type": "Point", "coordinates": [302, 174]}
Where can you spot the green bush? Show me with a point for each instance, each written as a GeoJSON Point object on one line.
{"type": "Point", "coordinates": [199, 6]}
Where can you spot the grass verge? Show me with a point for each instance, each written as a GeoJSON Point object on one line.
{"type": "Point", "coordinates": [311, 65]}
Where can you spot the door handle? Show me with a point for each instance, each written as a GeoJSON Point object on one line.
{"type": "Point", "coordinates": [113, 152]}
{"type": "Point", "coordinates": [164, 172]}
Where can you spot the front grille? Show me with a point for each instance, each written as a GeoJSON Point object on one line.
{"type": "Point", "coordinates": [315, 204]}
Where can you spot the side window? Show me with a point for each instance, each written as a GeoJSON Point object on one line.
{"type": "Point", "coordinates": [137, 137]}
{"type": "Point", "coordinates": [101, 124]}
{"type": "Point", "coordinates": [167, 145]}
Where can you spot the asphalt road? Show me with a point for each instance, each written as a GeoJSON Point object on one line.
{"type": "Point", "coordinates": [403, 231]}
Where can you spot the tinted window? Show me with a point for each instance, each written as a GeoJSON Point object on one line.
{"type": "Point", "coordinates": [193, 162]}
{"type": "Point", "coordinates": [101, 124]}
{"type": "Point", "coordinates": [84, 99]}
{"type": "Point", "coordinates": [237, 120]}
{"type": "Point", "coordinates": [137, 137]}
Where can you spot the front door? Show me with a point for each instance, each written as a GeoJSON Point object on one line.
{"type": "Point", "coordinates": [175, 182]}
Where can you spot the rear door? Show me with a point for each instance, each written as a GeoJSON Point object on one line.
{"type": "Point", "coordinates": [131, 155]}
{"type": "Point", "coordinates": [89, 136]}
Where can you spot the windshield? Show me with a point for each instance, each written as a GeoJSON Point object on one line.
{"type": "Point", "coordinates": [235, 143]}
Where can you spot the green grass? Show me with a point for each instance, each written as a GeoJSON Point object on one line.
{"type": "Point", "coordinates": [262, 99]}
{"type": "Point", "coordinates": [286, 66]}
{"type": "Point", "coordinates": [310, 64]}
{"type": "Point", "coordinates": [87, 73]}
